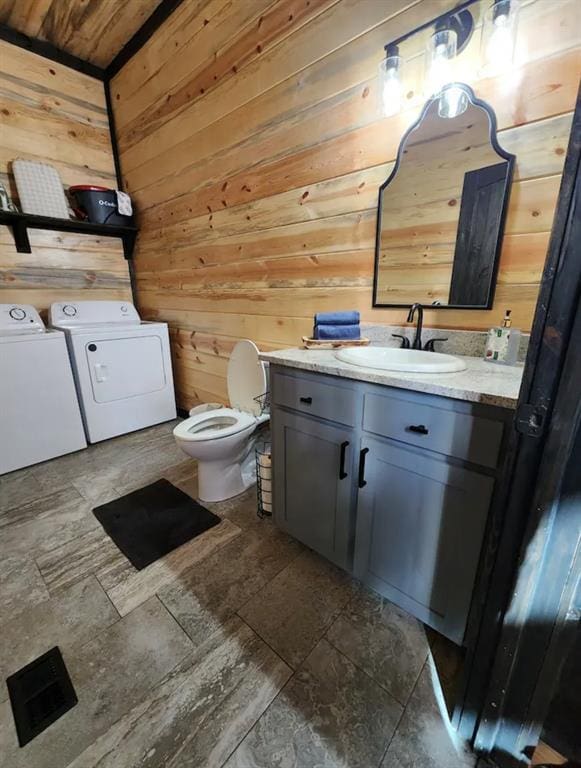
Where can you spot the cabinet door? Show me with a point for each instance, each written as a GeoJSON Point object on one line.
{"type": "Point", "coordinates": [313, 484]}
{"type": "Point", "coordinates": [420, 525]}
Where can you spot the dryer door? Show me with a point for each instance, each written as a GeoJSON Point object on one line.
{"type": "Point", "coordinates": [122, 368]}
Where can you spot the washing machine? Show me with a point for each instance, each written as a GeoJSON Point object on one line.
{"type": "Point", "coordinates": [122, 366]}
{"type": "Point", "coordinates": [40, 416]}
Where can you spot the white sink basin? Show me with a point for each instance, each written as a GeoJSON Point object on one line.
{"type": "Point", "coordinates": [394, 359]}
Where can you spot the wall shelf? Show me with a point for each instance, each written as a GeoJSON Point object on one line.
{"type": "Point", "coordinates": [22, 222]}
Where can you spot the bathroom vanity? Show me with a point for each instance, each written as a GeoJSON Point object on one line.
{"type": "Point", "coordinates": [392, 476]}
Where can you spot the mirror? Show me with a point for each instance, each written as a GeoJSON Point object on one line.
{"type": "Point", "coordinates": [442, 210]}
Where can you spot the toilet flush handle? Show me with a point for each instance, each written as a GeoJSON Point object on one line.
{"type": "Point", "coordinates": [100, 372]}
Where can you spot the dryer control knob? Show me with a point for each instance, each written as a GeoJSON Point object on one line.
{"type": "Point", "coordinates": [17, 313]}
{"type": "Point", "coordinates": [69, 310]}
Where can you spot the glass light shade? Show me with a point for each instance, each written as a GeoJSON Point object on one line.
{"type": "Point", "coordinates": [499, 37]}
{"type": "Point", "coordinates": [453, 101]}
{"type": "Point", "coordinates": [440, 54]}
{"type": "Point", "coordinates": [390, 86]}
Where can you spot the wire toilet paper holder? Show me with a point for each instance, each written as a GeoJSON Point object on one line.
{"type": "Point", "coordinates": [263, 456]}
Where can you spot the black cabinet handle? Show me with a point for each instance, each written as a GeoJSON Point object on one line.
{"type": "Point", "coordinates": [362, 481]}
{"type": "Point", "coordinates": [306, 400]}
{"type": "Point", "coordinates": [419, 428]}
{"type": "Point", "coordinates": [342, 473]}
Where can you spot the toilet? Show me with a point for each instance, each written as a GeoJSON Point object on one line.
{"type": "Point", "coordinates": [222, 439]}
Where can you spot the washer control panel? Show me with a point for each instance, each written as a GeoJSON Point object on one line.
{"type": "Point", "coordinates": [18, 319]}
{"type": "Point", "coordinates": [71, 314]}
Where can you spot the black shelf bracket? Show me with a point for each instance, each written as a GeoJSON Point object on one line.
{"type": "Point", "coordinates": [20, 232]}
{"type": "Point", "coordinates": [128, 240]}
{"type": "Point", "coordinates": [20, 223]}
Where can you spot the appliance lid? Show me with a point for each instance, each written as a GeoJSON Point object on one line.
{"type": "Point", "coordinates": [20, 320]}
{"type": "Point", "coordinates": [246, 377]}
{"type": "Point", "coordinates": [89, 188]}
{"type": "Point", "coordinates": [95, 314]}
{"type": "Point", "coordinates": [99, 328]}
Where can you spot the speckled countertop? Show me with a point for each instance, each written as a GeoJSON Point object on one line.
{"type": "Point", "coordinates": [481, 382]}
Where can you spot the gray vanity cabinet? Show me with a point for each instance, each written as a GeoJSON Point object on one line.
{"type": "Point", "coordinates": [392, 485]}
{"type": "Point", "coordinates": [313, 483]}
{"type": "Point", "coordinates": [420, 525]}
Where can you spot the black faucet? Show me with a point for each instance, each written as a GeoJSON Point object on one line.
{"type": "Point", "coordinates": [417, 342]}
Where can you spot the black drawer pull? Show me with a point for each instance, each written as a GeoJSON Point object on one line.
{"type": "Point", "coordinates": [306, 400]}
{"type": "Point", "coordinates": [342, 473]}
{"type": "Point", "coordinates": [419, 428]}
{"type": "Point", "coordinates": [362, 482]}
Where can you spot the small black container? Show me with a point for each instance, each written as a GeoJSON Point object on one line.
{"type": "Point", "coordinates": [98, 205]}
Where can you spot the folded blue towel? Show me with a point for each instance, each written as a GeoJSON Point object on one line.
{"type": "Point", "coordinates": [337, 318]}
{"type": "Point", "coordinates": [337, 332]}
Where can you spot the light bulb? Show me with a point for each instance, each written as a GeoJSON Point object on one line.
{"type": "Point", "coordinates": [499, 47]}
{"type": "Point", "coordinates": [440, 74]}
{"type": "Point", "coordinates": [440, 53]}
{"type": "Point", "coordinates": [390, 89]}
{"type": "Point", "coordinates": [499, 37]}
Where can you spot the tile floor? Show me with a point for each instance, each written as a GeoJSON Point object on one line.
{"type": "Point", "coordinates": [241, 649]}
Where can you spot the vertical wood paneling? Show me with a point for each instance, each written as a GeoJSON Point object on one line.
{"type": "Point", "coordinates": [255, 163]}
{"type": "Point", "coordinates": [51, 113]}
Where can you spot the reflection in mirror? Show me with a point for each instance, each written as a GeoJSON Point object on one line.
{"type": "Point", "coordinates": [441, 212]}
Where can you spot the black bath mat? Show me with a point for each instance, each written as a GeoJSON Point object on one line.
{"type": "Point", "coordinates": [150, 522]}
{"type": "Point", "coordinates": [40, 693]}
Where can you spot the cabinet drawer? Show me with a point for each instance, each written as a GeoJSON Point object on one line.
{"type": "Point", "coordinates": [304, 394]}
{"type": "Point", "coordinates": [461, 435]}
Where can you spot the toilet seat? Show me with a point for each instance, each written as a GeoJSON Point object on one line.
{"type": "Point", "coordinates": [213, 425]}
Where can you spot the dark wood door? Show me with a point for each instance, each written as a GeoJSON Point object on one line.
{"type": "Point", "coordinates": [522, 644]}
{"type": "Point", "coordinates": [478, 236]}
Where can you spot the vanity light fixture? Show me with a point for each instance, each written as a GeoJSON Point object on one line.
{"type": "Point", "coordinates": [451, 33]}
{"type": "Point", "coordinates": [390, 85]}
{"type": "Point", "coordinates": [499, 36]}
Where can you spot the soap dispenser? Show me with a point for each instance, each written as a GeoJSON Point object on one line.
{"type": "Point", "coordinates": [503, 343]}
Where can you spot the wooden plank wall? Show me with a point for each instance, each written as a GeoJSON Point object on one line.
{"type": "Point", "coordinates": [251, 143]}
{"type": "Point", "coordinates": [53, 114]}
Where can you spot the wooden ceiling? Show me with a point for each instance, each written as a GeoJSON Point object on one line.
{"type": "Point", "coordinates": [92, 30]}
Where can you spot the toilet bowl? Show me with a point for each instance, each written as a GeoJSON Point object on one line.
{"type": "Point", "coordinates": [222, 439]}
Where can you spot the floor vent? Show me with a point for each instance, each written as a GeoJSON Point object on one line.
{"type": "Point", "coordinates": [40, 693]}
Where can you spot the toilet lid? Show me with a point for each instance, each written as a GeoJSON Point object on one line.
{"type": "Point", "coordinates": [246, 377]}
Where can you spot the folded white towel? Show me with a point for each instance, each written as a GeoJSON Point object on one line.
{"type": "Point", "coordinates": [124, 204]}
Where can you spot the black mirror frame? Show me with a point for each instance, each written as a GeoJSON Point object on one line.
{"type": "Point", "coordinates": [510, 158]}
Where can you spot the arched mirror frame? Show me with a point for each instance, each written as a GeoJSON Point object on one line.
{"type": "Point", "coordinates": [502, 153]}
